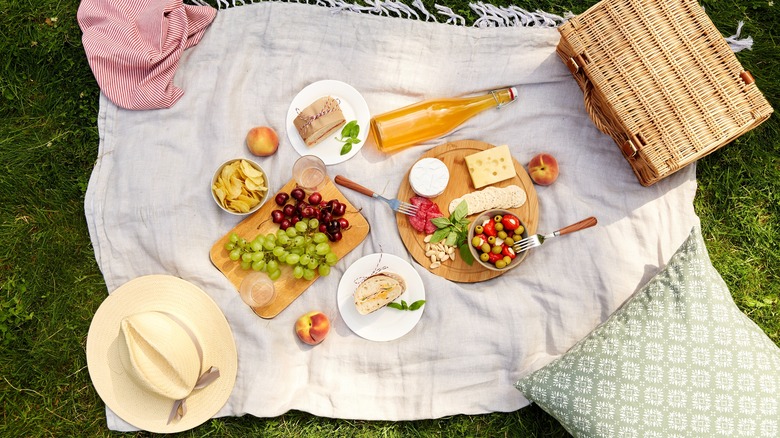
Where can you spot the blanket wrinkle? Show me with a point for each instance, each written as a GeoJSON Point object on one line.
{"type": "Point", "coordinates": [133, 47]}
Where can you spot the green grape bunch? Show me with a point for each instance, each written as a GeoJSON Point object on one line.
{"type": "Point", "coordinates": [301, 247]}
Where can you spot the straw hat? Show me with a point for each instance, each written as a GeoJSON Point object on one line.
{"type": "Point", "coordinates": [161, 354]}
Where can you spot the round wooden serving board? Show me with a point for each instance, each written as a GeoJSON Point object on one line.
{"type": "Point", "coordinates": [453, 154]}
{"type": "Point", "coordinates": [287, 287]}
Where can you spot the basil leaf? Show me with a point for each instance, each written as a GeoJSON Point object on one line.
{"type": "Point", "coordinates": [465, 254]}
{"type": "Point", "coordinates": [460, 212]}
{"type": "Point", "coordinates": [439, 234]}
{"type": "Point", "coordinates": [346, 148]}
{"type": "Point", "coordinates": [452, 237]}
{"type": "Point", "coordinates": [462, 238]}
{"type": "Point", "coordinates": [441, 222]}
{"type": "Point", "coordinates": [395, 306]}
{"type": "Point", "coordinates": [416, 305]}
{"type": "Point", "coordinates": [351, 129]}
{"type": "Point", "coordinates": [347, 129]}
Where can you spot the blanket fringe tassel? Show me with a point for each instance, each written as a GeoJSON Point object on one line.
{"type": "Point", "coordinates": [488, 15]}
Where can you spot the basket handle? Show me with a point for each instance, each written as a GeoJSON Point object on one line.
{"type": "Point", "coordinates": [630, 144]}
{"type": "Point", "coordinates": [596, 115]}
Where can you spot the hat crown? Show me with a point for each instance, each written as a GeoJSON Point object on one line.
{"type": "Point", "coordinates": [161, 354]}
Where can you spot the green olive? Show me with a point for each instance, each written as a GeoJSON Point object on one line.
{"type": "Point", "coordinates": [502, 234]}
{"type": "Point", "coordinates": [484, 257]}
{"type": "Point", "coordinates": [519, 230]}
{"type": "Point", "coordinates": [509, 241]}
{"type": "Point", "coordinates": [476, 242]}
{"type": "Point", "coordinates": [496, 250]}
{"type": "Point", "coordinates": [491, 240]}
{"type": "Point", "coordinates": [497, 219]}
{"type": "Point", "coordinates": [499, 226]}
{"type": "Point", "coordinates": [485, 248]}
{"type": "Point", "coordinates": [478, 229]}
{"type": "Point", "coordinates": [507, 259]}
{"type": "Point", "coordinates": [500, 264]}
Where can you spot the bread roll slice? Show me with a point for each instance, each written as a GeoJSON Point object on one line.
{"type": "Point", "coordinates": [319, 120]}
{"type": "Point", "coordinates": [377, 291]}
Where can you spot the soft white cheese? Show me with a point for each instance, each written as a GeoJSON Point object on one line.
{"type": "Point", "coordinates": [429, 177]}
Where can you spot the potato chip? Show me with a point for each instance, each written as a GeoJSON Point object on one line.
{"type": "Point", "coordinates": [239, 187]}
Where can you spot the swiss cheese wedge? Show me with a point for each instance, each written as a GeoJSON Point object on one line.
{"type": "Point", "coordinates": [490, 166]}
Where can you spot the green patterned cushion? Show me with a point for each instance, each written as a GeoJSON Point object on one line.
{"type": "Point", "coordinates": [677, 359]}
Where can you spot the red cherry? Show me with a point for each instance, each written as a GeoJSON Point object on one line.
{"type": "Point", "coordinates": [335, 237]}
{"type": "Point", "coordinates": [281, 198]}
{"type": "Point", "coordinates": [344, 223]}
{"type": "Point", "coordinates": [285, 224]}
{"type": "Point", "coordinates": [315, 198]}
{"type": "Point", "coordinates": [298, 194]}
{"type": "Point", "coordinates": [339, 209]}
{"type": "Point", "coordinates": [289, 210]}
{"type": "Point", "coordinates": [277, 216]}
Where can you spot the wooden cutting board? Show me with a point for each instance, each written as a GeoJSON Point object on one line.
{"type": "Point", "coordinates": [287, 287]}
{"type": "Point", "coordinates": [453, 154]}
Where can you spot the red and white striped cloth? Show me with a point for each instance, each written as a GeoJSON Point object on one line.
{"type": "Point", "coordinates": [134, 47]}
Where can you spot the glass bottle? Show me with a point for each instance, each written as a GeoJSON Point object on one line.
{"type": "Point", "coordinates": [433, 118]}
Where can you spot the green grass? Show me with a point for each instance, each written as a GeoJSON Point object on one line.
{"type": "Point", "coordinates": [50, 285]}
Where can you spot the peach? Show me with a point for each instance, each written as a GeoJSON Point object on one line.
{"type": "Point", "coordinates": [313, 327]}
{"type": "Point", "coordinates": [543, 169]}
{"type": "Point", "coordinates": [262, 141]}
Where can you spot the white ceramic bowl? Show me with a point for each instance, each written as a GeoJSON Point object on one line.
{"type": "Point", "coordinates": [262, 200]}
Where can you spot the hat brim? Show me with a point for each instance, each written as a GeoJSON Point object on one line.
{"type": "Point", "coordinates": [119, 392]}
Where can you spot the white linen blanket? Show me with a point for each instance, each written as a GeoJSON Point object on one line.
{"type": "Point", "coordinates": [150, 211]}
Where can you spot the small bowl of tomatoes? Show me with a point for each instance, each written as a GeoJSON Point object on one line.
{"type": "Point", "coordinates": [491, 237]}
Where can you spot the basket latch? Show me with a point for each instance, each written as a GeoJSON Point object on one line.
{"type": "Point", "coordinates": [632, 145]}
{"type": "Point", "coordinates": [576, 62]}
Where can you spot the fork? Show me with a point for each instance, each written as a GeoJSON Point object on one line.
{"type": "Point", "coordinates": [538, 239]}
{"type": "Point", "coordinates": [395, 204]}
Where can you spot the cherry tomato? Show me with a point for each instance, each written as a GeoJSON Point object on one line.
{"type": "Point", "coordinates": [493, 257]}
{"type": "Point", "coordinates": [508, 251]}
{"type": "Point", "coordinates": [510, 222]}
{"type": "Point", "coordinates": [489, 228]}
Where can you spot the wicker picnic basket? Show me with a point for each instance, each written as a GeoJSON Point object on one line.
{"type": "Point", "coordinates": [660, 79]}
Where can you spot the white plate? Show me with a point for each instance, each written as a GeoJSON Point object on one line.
{"type": "Point", "coordinates": [386, 323]}
{"type": "Point", "coordinates": [352, 105]}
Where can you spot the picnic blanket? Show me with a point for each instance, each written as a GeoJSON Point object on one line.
{"type": "Point", "coordinates": [149, 209]}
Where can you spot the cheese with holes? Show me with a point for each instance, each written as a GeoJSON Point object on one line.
{"type": "Point", "coordinates": [490, 166]}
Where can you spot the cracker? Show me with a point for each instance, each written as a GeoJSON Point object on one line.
{"type": "Point", "coordinates": [491, 197]}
